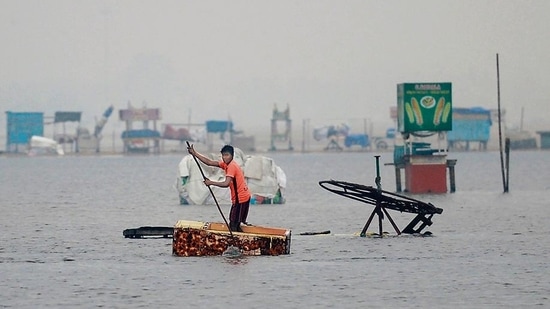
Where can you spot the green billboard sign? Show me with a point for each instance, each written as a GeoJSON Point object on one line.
{"type": "Point", "coordinates": [424, 107]}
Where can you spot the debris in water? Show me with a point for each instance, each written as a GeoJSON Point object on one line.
{"type": "Point", "coordinates": [315, 233]}
{"type": "Point", "coordinates": [232, 252]}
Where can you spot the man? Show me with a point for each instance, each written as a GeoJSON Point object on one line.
{"type": "Point", "coordinates": [234, 179]}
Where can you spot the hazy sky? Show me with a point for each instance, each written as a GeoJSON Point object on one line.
{"type": "Point", "coordinates": [328, 60]}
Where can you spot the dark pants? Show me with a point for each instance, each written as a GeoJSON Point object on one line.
{"type": "Point", "coordinates": [239, 212]}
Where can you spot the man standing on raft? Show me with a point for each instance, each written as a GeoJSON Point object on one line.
{"type": "Point", "coordinates": [234, 179]}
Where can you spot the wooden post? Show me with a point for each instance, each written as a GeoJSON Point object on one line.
{"type": "Point", "coordinates": [397, 178]}
{"type": "Point", "coordinates": [507, 165]}
{"type": "Point", "coordinates": [451, 165]}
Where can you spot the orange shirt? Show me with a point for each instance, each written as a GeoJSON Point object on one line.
{"type": "Point", "coordinates": [233, 170]}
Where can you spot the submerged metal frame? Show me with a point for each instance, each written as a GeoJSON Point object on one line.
{"type": "Point", "coordinates": [384, 200]}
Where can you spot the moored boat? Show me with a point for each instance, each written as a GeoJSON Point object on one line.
{"type": "Point", "coordinates": [195, 238]}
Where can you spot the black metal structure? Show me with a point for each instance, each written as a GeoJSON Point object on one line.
{"type": "Point", "coordinates": [149, 231]}
{"type": "Point", "coordinates": [384, 200]}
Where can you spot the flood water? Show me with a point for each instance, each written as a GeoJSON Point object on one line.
{"type": "Point", "coordinates": [61, 242]}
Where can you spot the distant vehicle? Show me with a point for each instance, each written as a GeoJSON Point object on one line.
{"type": "Point", "coordinates": [384, 142]}
{"type": "Point", "coordinates": [332, 133]}
{"type": "Point", "coordinates": [357, 139]}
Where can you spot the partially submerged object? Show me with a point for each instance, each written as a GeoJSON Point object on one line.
{"type": "Point", "coordinates": [384, 200]}
{"type": "Point", "coordinates": [266, 181]}
{"type": "Point", "coordinates": [39, 145]}
{"type": "Point", "coordinates": [195, 238]}
{"type": "Point", "coordinates": [149, 231]}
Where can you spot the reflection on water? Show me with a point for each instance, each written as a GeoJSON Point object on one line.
{"type": "Point", "coordinates": [62, 244]}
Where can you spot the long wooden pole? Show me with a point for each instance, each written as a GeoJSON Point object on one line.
{"type": "Point", "coordinates": [502, 168]}
{"type": "Point", "coordinates": [212, 193]}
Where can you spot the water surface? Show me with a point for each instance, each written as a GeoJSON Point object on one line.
{"type": "Point", "coordinates": [62, 219]}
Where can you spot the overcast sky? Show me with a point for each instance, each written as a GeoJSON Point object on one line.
{"type": "Point", "coordinates": [328, 60]}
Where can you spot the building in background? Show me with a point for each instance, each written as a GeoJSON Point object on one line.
{"type": "Point", "coordinates": [21, 126]}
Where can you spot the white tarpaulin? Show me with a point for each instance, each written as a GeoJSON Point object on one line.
{"type": "Point", "coordinates": [263, 176]}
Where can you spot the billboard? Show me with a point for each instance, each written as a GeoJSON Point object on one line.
{"type": "Point", "coordinates": [424, 107]}
{"type": "Point", "coordinates": [139, 114]}
{"type": "Point", "coordinates": [67, 117]}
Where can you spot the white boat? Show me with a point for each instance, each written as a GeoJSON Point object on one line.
{"type": "Point", "coordinates": [39, 145]}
